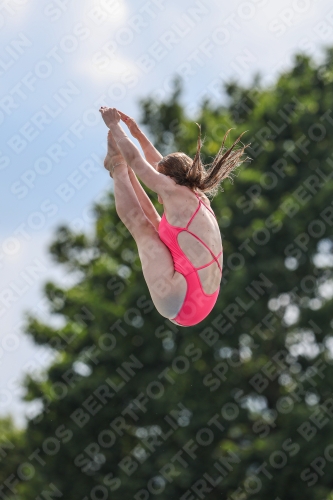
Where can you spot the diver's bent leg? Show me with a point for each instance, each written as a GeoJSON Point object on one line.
{"type": "Point", "coordinates": [144, 200]}
{"type": "Point", "coordinates": [127, 204]}
{"type": "Point", "coordinates": [167, 287]}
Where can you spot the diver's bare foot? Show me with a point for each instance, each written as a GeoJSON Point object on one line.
{"type": "Point", "coordinates": [113, 155]}
{"type": "Point", "coordinates": [110, 116]}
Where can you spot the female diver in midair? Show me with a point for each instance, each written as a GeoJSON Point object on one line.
{"type": "Point", "coordinates": [181, 253]}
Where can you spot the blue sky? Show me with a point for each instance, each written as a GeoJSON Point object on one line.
{"type": "Point", "coordinates": [60, 61]}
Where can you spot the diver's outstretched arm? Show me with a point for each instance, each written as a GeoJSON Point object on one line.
{"type": "Point", "coordinates": [151, 154]}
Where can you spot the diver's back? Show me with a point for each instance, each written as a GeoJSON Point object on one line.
{"type": "Point", "coordinates": [198, 234]}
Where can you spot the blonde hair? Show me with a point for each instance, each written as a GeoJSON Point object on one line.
{"type": "Point", "coordinates": [193, 174]}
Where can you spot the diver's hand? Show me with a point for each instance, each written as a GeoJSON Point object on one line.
{"type": "Point", "coordinates": [131, 124]}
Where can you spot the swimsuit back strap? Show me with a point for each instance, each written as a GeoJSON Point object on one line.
{"type": "Point", "coordinates": [195, 213]}
{"type": "Point", "coordinates": [198, 207]}
{"type": "Point", "coordinates": [214, 256]}
{"type": "Point", "coordinates": [204, 204]}
{"type": "Point", "coordinates": [209, 263]}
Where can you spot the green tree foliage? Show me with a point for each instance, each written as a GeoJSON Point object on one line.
{"type": "Point", "coordinates": [239, 406]}
{"type": "Point", "coordinates": [12, 454]}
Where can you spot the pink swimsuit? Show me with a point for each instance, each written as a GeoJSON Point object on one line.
{"type": "Point", "coordinates": [197, 304]}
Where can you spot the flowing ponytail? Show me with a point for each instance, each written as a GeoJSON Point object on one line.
{"type": "Point", "coordinates": [192, 173]}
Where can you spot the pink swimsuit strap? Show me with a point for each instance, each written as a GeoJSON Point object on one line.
{"type": "Point", "coordinates": [215, 257]}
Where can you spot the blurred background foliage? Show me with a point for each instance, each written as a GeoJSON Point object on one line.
{"type": "Point", "coordinates": [238, 406]}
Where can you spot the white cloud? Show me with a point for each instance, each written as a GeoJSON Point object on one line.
{"type": "Point", "coordinates": [15, 14]}
{"type": "Point", "coordinates": [106, 70]}
{"type": "Point", "coordinates": [104, 13]}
